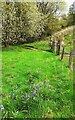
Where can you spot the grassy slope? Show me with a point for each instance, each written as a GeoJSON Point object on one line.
{"type": "Point", "coordinates": [44, 44]}
{"type": "Point", "coordinates": [40, 45]}
{"type": "Point", "coordinates": [23, 71]}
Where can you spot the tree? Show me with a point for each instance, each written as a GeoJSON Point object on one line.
{"type": "Point", "coordinates": [7, 11]}
{"type": "Point", "coordinates": [28, 21]}
{"type": "Point", "coordinates": [21, 22]}
{"type": "Point", "coordinates": [51, 11]}
{"type": "Point", "coordinates": [64, 21]}
{"type": "Point", "coordinates": [71, 15]}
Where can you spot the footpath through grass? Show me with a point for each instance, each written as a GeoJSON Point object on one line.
{"type": "Point", "coordinates": [35, 84]}
{"type": "Point", "coordinates": [40, 45]}
{"type": "Point", "coordinates": [45, 44]}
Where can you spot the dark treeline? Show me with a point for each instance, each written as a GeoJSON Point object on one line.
{"type": "Point", "coordinates": [30, 21]}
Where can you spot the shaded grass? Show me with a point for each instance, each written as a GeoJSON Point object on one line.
{"type": "Point", "coordinates": [45, 44]}
{"type": "Point", "coordinates": [40, 45]}
{"type": "Point", "coordinates": [23, 71]}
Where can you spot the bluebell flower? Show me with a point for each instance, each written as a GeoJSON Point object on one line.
{"type": "Point", "coordinates": [39, 85]}
{"type": "Point", "coordinates": [45, 81]}
{"type": "Point", "coordinates": [10, 92]}
{"type": "Point", "coordinates": [39, 90]}
{"type": "Point", "coordinates": [13, 95]}
{"type": "Point", "coordinates": [1, 107]}
{"type": "Point", "coordinates": [33, 93]}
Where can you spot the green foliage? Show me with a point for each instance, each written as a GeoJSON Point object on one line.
{"type": "Point", "coordinates": [71, 14]}
{"type": "Point", "coordinates": [21, 21]}
{"type": "Point", "coordinates": [64, 21]}
{"type": "Point", "coordinates": [28, 21]}
{"type": "Point", "coordinates": [51, 12]}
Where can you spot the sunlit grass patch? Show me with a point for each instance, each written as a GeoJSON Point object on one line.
{"type": "Point", "coordinates": [35, 84]}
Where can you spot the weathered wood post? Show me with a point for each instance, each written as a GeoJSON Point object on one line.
{"type": "Point", "coordinates": [63, 50]}
{"type": "Point", "coordinates": [58, 48]}
{"type": "Point", "coordinates": [53, 46]}
{"type": "Point", "coordinates": [62, 54]}
{"type": "Point", "coordinates": [70, 58]}
{"type": "Point", "coordinates": [50, 45]}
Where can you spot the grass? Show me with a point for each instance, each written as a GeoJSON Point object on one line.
{"type": "Point", "coordinates": [44, 44]}
{"type": "Point", "coordinates": [40, 45]}
{"type": "Point", "coordinates": [35, 84]}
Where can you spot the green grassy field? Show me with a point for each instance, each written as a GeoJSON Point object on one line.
{"type": "Point", "coordinates": [36, 84]}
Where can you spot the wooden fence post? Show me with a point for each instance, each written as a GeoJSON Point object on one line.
{"type": "Point", "coordinates": [50, 45]}
{"type": "Point", "coordinates": [62, 55]}
{"type": "Point", "coordinates": [53, 47]}
{"type": "Point", "coordinates": [70, 59]}
{"type": "Point", "coordinates": [58, 48]}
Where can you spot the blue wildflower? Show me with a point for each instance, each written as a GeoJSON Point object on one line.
{"type": "Point", "coordinates": [45, 81]}
{"type": "Point", "coordinates": [33, 93]}
{"type": "Point", "coordinates": [39, 85]}
{"type": "Point", "coordinates": [12, 94]}
{"type": "Point", "coordinates": [1, 107]}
